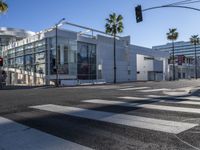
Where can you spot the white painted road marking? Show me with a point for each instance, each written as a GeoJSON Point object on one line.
{"type": "Point", "coordinates": [20, 137]}
{"type": "Point", "coordinates": [157, 96]}
{"type": "Point", "coordinates": [134, 88]}
{"type": "Point", "coordinates": [122, 119]}
{"type": "Point", "coordinates": [133, 98]}
{"type": "Point", "coordinates": [155, 90]}
{"type": "Point", "coordinates": [148, 106]}
{"type": "Point", "coordinates": [161, 100]}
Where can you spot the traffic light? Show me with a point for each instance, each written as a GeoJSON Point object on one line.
{"type": "Point", "coordinates": [1, 62]}
{"type": "Point", "coordinates": [138, 13]}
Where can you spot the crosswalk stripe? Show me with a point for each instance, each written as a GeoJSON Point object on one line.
{"type": "Point", "coordinates": [134, 98]}
{"type": "Point", "coordinates": [161, 100]}
{"type": "Point", "coordinates": [134, 88]}
{"type": "Point", "coordinates": [155, 90]}
{"type": "Point", "coordinates": [148, 106]}
{"type": "Point", "coordinates": [122, 119]}
{"type": "Point", "coordinates": [157, 96]}
{"type": "Point", "coordinates": [17, 136]}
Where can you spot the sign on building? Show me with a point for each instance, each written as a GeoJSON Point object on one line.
{"type": "Point", "coordinates": [181, 59]}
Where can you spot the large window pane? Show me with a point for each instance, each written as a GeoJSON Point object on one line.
{"type": "Point", "coordinates": [86, 61]}
{"type": "Point", "coordinates": [40, 58]}
{"type": "Point", "coordinates": [19, 62]}
{"type": "Point", "coordinates": [29, 59]}
{"type": "Point", "coordinates": [67, 53]}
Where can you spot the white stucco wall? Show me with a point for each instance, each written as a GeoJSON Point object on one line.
{"type": "Point", "coordinates": [125, 59]}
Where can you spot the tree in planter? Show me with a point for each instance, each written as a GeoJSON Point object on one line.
{"type": "Point", "coordinates": [172, 35]}
{"type": "Point", "coordinates": [195, 40]}
{"type": "Point", "coordinates": [3, 6]}
{"type": "Point", "coordinates": [114, 26]}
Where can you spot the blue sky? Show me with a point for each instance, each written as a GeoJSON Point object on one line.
{"type": "Point", "coordinates": [36, 15]}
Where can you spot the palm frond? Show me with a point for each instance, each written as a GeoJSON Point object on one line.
{"type": "Point", "coordinates": [172, 34]}
{"type": "Point", "coordinates": [114, 24]}
{"type": "Point", "coordinates": [119, 18]}
{"type": "Point", "coordinates": [195, 39]}
{"type": "Point", "coordinates": [3, 6]}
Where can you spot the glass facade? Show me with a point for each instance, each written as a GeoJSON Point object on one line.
{"type": "Point", "coordinates": [67, 56]}
{"type": "Point", "coordinates": [87, 61]}
{"type": "Point", "coordinates": [38, 55]}
{"type": "Point", "coordinates": [27, 57]}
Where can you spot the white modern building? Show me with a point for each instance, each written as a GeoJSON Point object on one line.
{"type": "Point", "coordinates": [151, 65]}
{"type": "Point", "coordinates": [81, 58]}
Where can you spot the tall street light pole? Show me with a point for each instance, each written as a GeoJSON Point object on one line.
{"type": "Point", "coordinates": [57, 61]}
{"type": "Point", "coordinates": [195, 53]}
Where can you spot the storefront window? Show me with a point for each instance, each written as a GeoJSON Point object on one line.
{"type": "Point", "coordinates": [66, 56]}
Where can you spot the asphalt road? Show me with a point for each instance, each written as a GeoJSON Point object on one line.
{"type": "Point", "coordinates": [125, 116]}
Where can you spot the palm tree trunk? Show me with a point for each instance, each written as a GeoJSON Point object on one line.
{"type": "Point", "coordinates": [195, 52]}
{"type": "Point", "coordinates": [115, 68]}
{"type": "Point", "coordinates": [174, 71]}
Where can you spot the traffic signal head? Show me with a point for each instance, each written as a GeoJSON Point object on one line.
{"type": "Point", "coordinates": [1, 62]}
{"type": "Point", "coordinates": [138, 13]}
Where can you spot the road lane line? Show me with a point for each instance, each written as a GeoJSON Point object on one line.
{"type": "Point", "coordinates": [122, 119]}
{"type": "Point", "coordinates": [154, 90]}
{"type": "Point", "coordinates": [134, 88]}
{"type": "Point", "coordinates": [157, 96]}
{"type": "Point", "coordinates": [133, 98]}
{"type": "Point", "coordinates": [20, 137]}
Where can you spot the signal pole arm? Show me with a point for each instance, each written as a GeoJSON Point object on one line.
{"type": "Point", "coordinates": [139, 11]}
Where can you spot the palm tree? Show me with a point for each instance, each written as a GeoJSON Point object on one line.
{"type": "Point", "coordinates": [114, 26]}
{"type": "Point", "coordinates": [195, 40]}
{"type": "Point", "coordinates": [172, 35]}
{"type": "Point", "coordinates": [3, 6]}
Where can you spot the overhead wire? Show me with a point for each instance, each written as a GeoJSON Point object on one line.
{"type": "Point", "coordinates": [185, 2]}
{"type": "Point", "coordinates": [180, 2]}
{"type": "Point", "coordinates": [197, 1]}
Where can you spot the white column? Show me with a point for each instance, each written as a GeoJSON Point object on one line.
{"type": "Point", "coordinates": [165, 68]}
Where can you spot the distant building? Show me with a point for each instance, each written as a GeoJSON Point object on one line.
{"type": "Point", "coordinates": [10, 35]}
{"type": "Point", "coordinates": [181, 48]}
{"type": "Point", "coordinates": [184, 59]}
{"type": "Point", "coordinates": [81, 59]}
